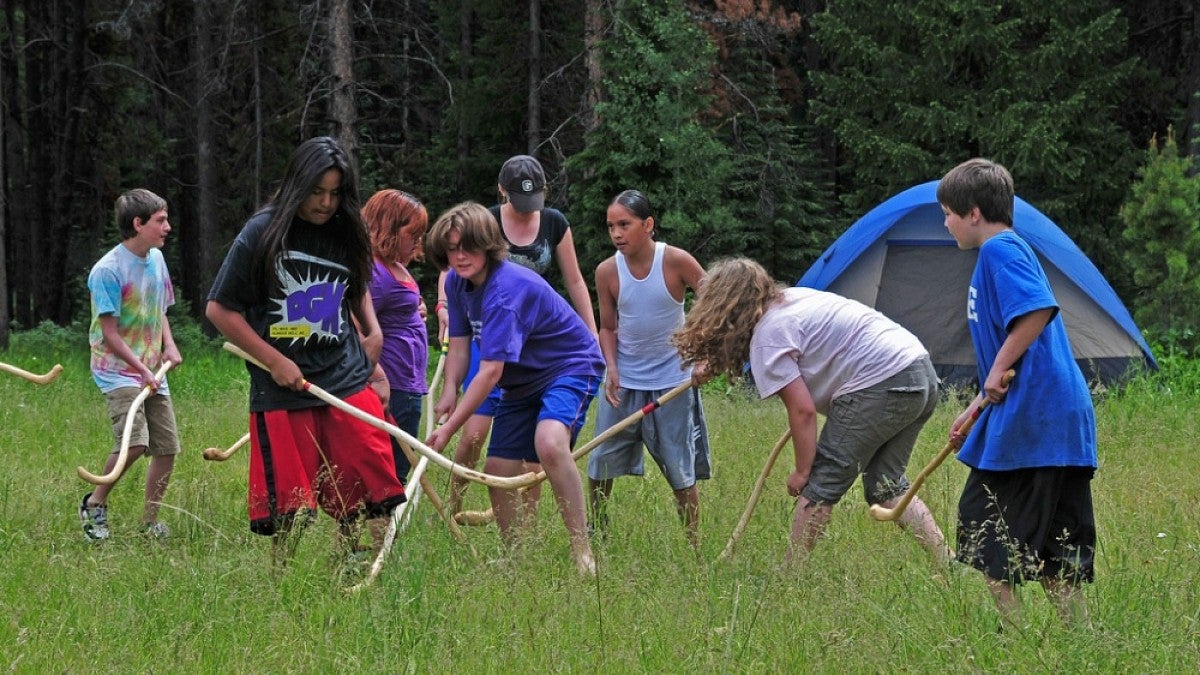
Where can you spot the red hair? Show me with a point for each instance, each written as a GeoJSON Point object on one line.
{"type": "Point", "coordinates": [392, 214]}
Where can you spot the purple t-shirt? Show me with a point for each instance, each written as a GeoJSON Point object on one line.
{"type": "Point", "coordinates": [405, 339]}
{"type": "Point", "coordinates": [519, 319]}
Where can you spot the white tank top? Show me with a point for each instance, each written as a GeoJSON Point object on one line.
{"type": "Point", "coordinates": [647, 315]}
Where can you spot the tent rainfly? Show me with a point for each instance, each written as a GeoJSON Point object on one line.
{"type": "Point", "coordinates": [900, 259]}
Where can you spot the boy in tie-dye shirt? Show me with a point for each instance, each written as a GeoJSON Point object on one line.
{"type": "Point", "coordinates": [130, 339]}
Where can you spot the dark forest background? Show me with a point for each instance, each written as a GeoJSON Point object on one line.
{"type": "Point", "coordinates": [758, 127]}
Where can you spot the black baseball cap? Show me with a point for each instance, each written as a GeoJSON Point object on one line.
{"type": "Point", "coordinates": [525, 181]}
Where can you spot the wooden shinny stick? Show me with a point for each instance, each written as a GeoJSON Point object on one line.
{"type": "Point", "coordinates": [219, 455]}
{"type": "Point", "coordinates": [755, 494]}
{"type": "Point", "coordinates": [402, 515]}
{"type": "Point", "coordinates": [879, 512]}
{"type": "Point", "coordinates": [46, 378]}
{"type": "Point", "coordinates": [502, 482]}
{"type": "Point", "coordinates": [616, 429]}
{"type": "Point", "coordinates": [426, 485]}
{"type": "Point", "coordinates": [123, 454]}
{"type": "Point", "coordinates": [505, 482]}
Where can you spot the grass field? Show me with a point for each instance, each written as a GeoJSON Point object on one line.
{"type": "Point", "coordinates": [867, 600]}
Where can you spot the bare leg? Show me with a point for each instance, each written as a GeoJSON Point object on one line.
{"type": "Point", "coordinates": [1006, 600]}
{"type": "Point", "coordinates": [466, 453]}
{"type": "Point", "coordinates": [600, 491]}
{"type": "Point", "coordinates": [510, 506]}
{"type": "Point", "coordinates": [1068, 599]}
{"type": "Point", "coordinates": [918, 521]}
{"type": "Point", "coordinates": [808, 525]}
{"type": "Point", "coordinates": [100, 494]}
{"type": "Point", "coordinates": [687, 504]}
{"type": "Point", "coordinates": [552, 440]}
{"type": "Point", "coordinates": [157, 478]}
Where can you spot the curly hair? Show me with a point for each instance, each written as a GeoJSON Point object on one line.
{"type": "Point", "coordinates": [732, 298]}
{"type": "Point", "coordinates": [392, 216]}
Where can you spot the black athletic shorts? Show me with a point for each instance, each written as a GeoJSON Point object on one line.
{"type": "Point", "coordinates": [1028, 524]}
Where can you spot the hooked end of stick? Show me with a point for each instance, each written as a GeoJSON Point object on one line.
{"type": "Point", "coordinates": [93, 478]}
{"type": "Point", "coordinates": [880, 513]}
{"type": "Point", "coordinates": [214, 455]}
{"type": "Point", "coordinates": [474, 518]}
{"type": "Point", "coordinates": [52, 375]}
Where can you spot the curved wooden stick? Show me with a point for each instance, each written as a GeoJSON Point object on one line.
{"type": "Point", "coordinates": [878, 512]}
{"type": "Point", "coordinates": [418, 478]}
{"type": "Point", "coordinates": [615, 429]}
{"type": "Point", "coordinates": [123, 454]}
{"type": "Point", "coordinates": [219, 455]}
{"type": "Point", "coordinates": [755, 494]}
{"type": "Point", "coordinates": [46, 378]}
{"type": "Point", "coordinates": [399, 434]}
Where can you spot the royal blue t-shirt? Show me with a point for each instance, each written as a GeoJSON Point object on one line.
{"type": "Point", "coordinates": [1047, 417]}
{"type": "Point", "coordinates": [518, 318]}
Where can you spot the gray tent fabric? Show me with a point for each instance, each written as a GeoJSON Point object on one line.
{"type": "Point", "coordinates": [900, 259]}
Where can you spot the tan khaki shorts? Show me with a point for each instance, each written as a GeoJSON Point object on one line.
{"type": "Point", "coordinates": [153, 421]}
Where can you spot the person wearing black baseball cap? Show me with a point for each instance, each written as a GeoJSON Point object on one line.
{"type": "Point", "coordinates": [537, 235]}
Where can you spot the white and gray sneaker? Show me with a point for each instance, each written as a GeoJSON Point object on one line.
{"type": "Point", "coordinates": [94, 519]}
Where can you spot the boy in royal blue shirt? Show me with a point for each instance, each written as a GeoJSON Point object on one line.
{"type": "Point", "coordinates": [1026, 509]}
{"type": "Point", "coordinates": [535, 347]}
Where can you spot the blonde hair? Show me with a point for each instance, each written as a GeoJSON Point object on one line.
{"type": "Point", "coordinates": [732, 298]}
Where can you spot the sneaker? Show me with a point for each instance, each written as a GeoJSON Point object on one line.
{"type": "Point", "coordinates": [94, 519]}
{"type": "Point", "coordinates": [156, 530]}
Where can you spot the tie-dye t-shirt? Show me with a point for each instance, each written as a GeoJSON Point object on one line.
{"type": "Point", "coordinates": [305, 315]}
{"type": "Point", "coordinates": [137, 291]}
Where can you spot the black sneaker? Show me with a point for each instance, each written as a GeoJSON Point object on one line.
{"type": "Point", "coordinates": [94, 519]}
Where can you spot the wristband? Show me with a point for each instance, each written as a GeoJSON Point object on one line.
{"type": "Point", "coordinates": [439, 306]}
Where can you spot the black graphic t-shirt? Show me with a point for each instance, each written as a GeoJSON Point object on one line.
{"type": "Point", "coordinates": [307, 317]}
{"type": "Point", "coordinates": [538, 254]}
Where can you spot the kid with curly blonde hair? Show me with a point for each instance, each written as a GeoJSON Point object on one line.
{"type": "Point", "coordinates": [821, 353]}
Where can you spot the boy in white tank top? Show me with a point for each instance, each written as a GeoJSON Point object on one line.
{"type": "Point", "coordinates": [641, 290]}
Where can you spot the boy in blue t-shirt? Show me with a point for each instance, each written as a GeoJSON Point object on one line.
{"type": "Point", "coordinates": [536, 348]}
{"type": "Point", "coordinates": [1026, 509]}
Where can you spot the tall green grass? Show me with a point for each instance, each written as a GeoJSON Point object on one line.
{"type": "Point", "coordinates": [867, 600]}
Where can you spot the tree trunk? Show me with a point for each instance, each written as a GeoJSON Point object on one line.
{"type": "Point", "coordinates": [462, 146]}
{"type": "Point", "coordinates": [533, 135]}
{"type": "Point", "coordinates": [593, 27]}
{"type": "Point", "coordinates": [4, 320]}
{"type": "Point", "coordinates": [1192, 133]}
{"type": "Point", "coordinates": [341, 61]}
{"type": "Point", "coordinates": [198, 273]}
{"type": "Point", "coordinates": [20, 291]}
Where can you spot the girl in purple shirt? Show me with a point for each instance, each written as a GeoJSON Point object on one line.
{"type": "Point", "coordinates": [397, 221]}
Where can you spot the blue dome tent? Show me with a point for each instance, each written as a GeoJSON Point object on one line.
{"type": "Point", "coordinates": [900, 259]}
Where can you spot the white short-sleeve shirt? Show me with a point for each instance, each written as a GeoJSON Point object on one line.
{"type": "Point", "coordinates": [836, 344]}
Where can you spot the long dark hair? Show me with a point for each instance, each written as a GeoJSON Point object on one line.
{"type": "Point", "coordinates": [304, 170]}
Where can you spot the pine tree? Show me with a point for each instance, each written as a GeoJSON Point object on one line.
{"type": "Point", "coordinates": [651, 135]}
{"type": "Point", "coordinates": [1162, 237]}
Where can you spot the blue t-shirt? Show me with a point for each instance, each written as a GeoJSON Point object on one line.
{"type": "Point", "coordinates": [519, 319]}
{"type": "Point", "coordinates": [1047, 417]}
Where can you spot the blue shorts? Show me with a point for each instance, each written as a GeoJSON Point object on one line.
{"type": "Point", "coordinates": [565, 400]}
{"type": "Point", "coordinates": [488, 407]}
{"type": "Point", "coordinates": [675, 434]}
